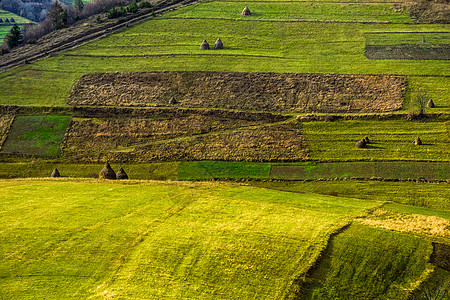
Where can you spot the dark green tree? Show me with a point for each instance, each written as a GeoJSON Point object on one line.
{"type": "Point", "coordinates": [78, 5]}
{"type": "Point", "coordinates": [14, 37]}
{"type": "Point", "coordinates": [57, 15]}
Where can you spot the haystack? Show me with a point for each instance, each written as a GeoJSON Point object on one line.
{"type": "Point", "coordinates": [366, 139]}
{"type": "Point", "coordinates": [172, 101]}
{"type": "Point", "coordinates": [430, 104]}
{"type": "Point", "coordinates": [12, 20]}
{"type": "Point", "coordinates": [121, 174]}
{"type": "Point", "coordinates": [55, 173]}
{"type": "Point", "coordinates": [107, 172]}
{"type": "Point", "coordinates": [361, 144]}
{"type": "Point", "coordinates": [417, 141]}
{"type": "Point", "coordinates": [246, 12]}
{"type": "Point", "coordinates": [204, 45]}
{"type": "Point", "coordinates": [218, 44]}
{"type": "Point", "coordinates": [1, 21]}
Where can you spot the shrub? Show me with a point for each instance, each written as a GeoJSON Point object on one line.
{"type": "Point", "coordinates": [145, 4]}
{"type": "Point", "coordinates": [132, 8]}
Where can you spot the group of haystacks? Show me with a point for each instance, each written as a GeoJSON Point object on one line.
{"type": "Point", "coordinates": [218, 44]}
{"type": "Point", "coordinates": [363, 142]}
{"type": "Point", "coordinates": [8, 20]}
{"type": "Point", "coordinates": [106, 173]}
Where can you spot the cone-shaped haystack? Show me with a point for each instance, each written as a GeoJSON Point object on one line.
{"type": "Point", "coordinates": [55, 173]}
{"type": "Point", "coordinates": [246, 12]}
{"type": "Point", "coordinates": [107, 172]}
{"type": "Point", "coordinates": [204, 45]}
{"type": "Point", "coordinates": [366, 139]}
{"type": "Point", "coordinates": [417, 141]}
{"type": "Point", "coordinates": [172, 101]}
{"type": "Point", "coordinates": [430, 104]}
{"type": "Point", "coordinates": [121, 174]}
{"type": "Point", "coordinates": [218, 44]}
{"type": "Point", "coordinates": [361, 144]}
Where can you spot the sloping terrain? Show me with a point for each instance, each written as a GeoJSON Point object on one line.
{"type": "Point", "coordinates": [192, 240]}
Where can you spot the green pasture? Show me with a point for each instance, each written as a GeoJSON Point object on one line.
{"type": "Point", "coordinates": [295, 11]}
{"type": "Point", "coordinates": [346, 261]}
{"type": "Point", "coordinates": [403, 170]}
{"type": "Point", "coordinates": [78, 239]}
{"type": "Point", "coordinates": [399, 38]}
{"type": "Point", "coordinates": [172, 44]}
{"type": "Point", "coordinates": [425, 197]}
{"type": "Point", "coordinates": [36, 135]}
{"type": "Point", "coordinates": [205, 170]}
{"type": "Point", "coordinates": [6, 27]}
{"type": "Point", "coordinates": [390, 140]}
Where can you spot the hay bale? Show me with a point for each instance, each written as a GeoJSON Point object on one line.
{"type": "Point", "coordinates": [430, 104]}
{"type": "Point", "coordinates": [107, 172]}
{"type": "Point", "coordinates": [55, 173]}
{"type": "Point", "coordinates": [218, 44]}
{"type": "Point", "coordinates": [361, 144]}
{"type": "Point", "coordinates": [366, 139]}
{"type": "Point", "coordinates": [246, 12]}
{"type": "Point", "coordinates": [417, 141]}
{"type": "Point", "coordinates": [172, 101]}
{"type": "Point", "coordinates": [121, 174]}
{"type": "Point", "coordinates": [204, 45]}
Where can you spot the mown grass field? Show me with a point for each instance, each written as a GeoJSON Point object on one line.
{"type": "Point", "coordinates": [161, 240]}
{"type": "Point", "coordinates": [433, 38]}
{"type": "Point", "coordinates": [36, 135]}
{"type": "Point", "coordinates": [390, 140]}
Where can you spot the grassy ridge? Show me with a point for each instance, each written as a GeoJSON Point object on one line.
{"type": "Point", "coordinates": [106, 239]}
{"type": "Point", "coordinates": [6, 27]}
{"type": "Point", "coordinates": [346, 266]}
{"type": "Point", "coordinates": [391, 140]}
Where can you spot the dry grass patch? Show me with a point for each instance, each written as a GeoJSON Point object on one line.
{"type": "Point", "coordinates": [430, 226]}
{"type": "Point", "coordinates": [5, 124]}
{"type": "Point", "coordinates": [289, 92]}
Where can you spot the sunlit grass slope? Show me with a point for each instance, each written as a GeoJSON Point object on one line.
{"type": "Point", "coordinates": [171, 43]}
{"type": "Point", "coordinates": [78, 239]}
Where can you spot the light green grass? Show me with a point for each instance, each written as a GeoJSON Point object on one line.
{"type": "Point", "coordinates": [430, 195]}
{"type": "Point", "coordinates": [36, 135]}
{"type": "Point", "coordinates": [390, 140]}
{"type": "Point", "coordinates": [352, 261]}
{"type": "Point", "coordinates": [75, 239]}
{"type": "Point", "coordinates": [173, 45]}
{"type": "Point", "coordinates": [295, 11]}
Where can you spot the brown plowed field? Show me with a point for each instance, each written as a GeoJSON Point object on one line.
{"type": "Point", "coordinates": [281, 92]}
{"type": "Point", "coordinates": [190, 138]}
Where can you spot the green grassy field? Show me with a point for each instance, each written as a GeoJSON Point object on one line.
{"type": "Point", "coordinates": [295, 11]}
{"type": "Point", "coordinates": [36, 135]}
{"type": "Point", "coordinates": [338, 276]}
{"type": "Point", "coordinates": [391, 140]}
{"type": "Point", "coordinates": [6, 27]}
{"type": "Point", "coordinates": [422, 195]}
{"type": "Point", "coordinates": [433, 38]}
{"type": "Point", "coordinates": [163, 240]}
{"type": "Point", "coordinates": [165, 44]}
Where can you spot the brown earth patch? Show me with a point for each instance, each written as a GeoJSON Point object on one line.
{"type": "Point", "coordinates": [5, 125]}
{"type": "Point", "coordinates": [408, 51]}
{"type": "Point", "coordinates": [189, 136]}
{"type": "Point", "coordinates": [441, 256]}
{"type": "Point", "coordinates": [282, 92]}
{"type": "Point", "coordinates": [430, 226]}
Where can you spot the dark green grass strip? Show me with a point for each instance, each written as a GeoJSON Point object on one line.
{"type": "Point", "coordinates": [364, 256]}
{"type": "Point", "coordinates": [202, 170]}
{"type": "Point", "coordinates": [386, 170]}
{"type": "Point", "coordinates": [36, 135]}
